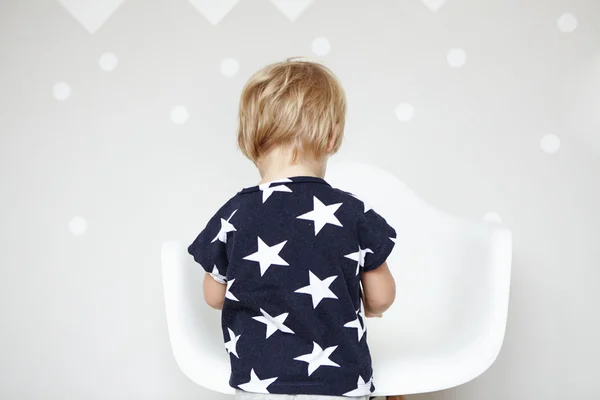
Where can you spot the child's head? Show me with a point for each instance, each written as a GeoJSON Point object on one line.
{"type": "Point", "coordinates": [294, 104]}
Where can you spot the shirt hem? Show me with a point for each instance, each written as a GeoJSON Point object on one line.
{"type": "Point", "coordinates": [299, 388]}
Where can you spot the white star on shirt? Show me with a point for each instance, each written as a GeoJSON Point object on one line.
{"type": "Point", "coordinates": [360, 307]}
{"type": "Point", "coordinates": [231, 346]}
{"type": "Point", "coordinates": [228, 293]}
{"type": "Point", "coordinates": [256, 385]}
{"type": "Point", "coordinates": [268, 190]}
{"type": "Point", "coordinates": [318, 289]}
{"type": "Point", "coordinates": [217, 276]}
{"type": "Point", "coordinates": [267, 255]}
{"type": "Point", "coordinates": [318, 358]}
{"type": "Point", "coordinates": [362, 388]}
{"type": "Point", "coordinates": [226, 227]}
{"type": "Point", "coordinates": [322, 214]}
{"type": "Point", "coordinates": [359, 256]}
{"type": "Point", "coordinates": [359, 314]}
{"type": "Point", "coordinates": [356, 324]}
{"type": "Point", "coordinates": [367, 207]}
{"type": "Point", "coordinates": [273, 324]}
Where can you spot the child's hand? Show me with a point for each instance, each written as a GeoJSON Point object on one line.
{"type": "Point", "coordinates": [367, 313]}
{"type": "Point", "coordinates": [371, 315]}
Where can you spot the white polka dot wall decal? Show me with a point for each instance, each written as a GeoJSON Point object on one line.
{"type": "Point", "coordinates": [61, 91]}
{"type": "Point", "coordinates": [108, 62]}
{"type": "Point", "coordinates": [230, 67]}
{"type": "Point", "coordinates": [456, 58]}
{"type": "Point", "coordinates": [405, 112]}
{"type": "Point", "coordinates": [78, 226]}
{"type": "Point", "coordinates": [321, 46]}
{"type": "Point", "coordinates": [550, 144]}
{"type": "Point", "coordinates": [492, 217]}
{"type": "Point", "coordinates": [567, 23]}
{"type": "Point", "coordinates": [179, 115]}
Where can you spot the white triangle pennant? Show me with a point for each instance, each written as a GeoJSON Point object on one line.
{"type": "Point", "coordinates": [434, 5]}
{"type": "Point", "coordinates": [92, 14]}
{"type": "Point", "coordinates": [214, 10]}
{"type": "Point", "coordinates": [292, 8]}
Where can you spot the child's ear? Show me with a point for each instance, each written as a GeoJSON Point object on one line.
{"type": "Point", "coordinates": [333, 137]}
{"type": "Point", "coordinates": [330, 144]}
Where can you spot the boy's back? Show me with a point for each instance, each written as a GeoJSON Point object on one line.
{"type": "Point", "coordinates": [292, 252]}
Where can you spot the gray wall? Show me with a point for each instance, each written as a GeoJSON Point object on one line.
{"type": "Point", "coordinates": [82, 311]}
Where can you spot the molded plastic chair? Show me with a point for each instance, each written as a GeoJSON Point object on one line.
{"type": "Point", "coordinates": [446, 326]}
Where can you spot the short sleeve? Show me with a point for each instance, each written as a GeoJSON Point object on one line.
{"type": "Point", "coordinates": [376, 238]}
{"type": "Point", "coordinates": [209, 249]}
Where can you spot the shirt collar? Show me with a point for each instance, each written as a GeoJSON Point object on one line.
{"type": "Point", "coordinates": [286, 181]}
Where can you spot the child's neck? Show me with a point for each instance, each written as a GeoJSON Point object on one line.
{"type": "Point", "coordinates": [276, 165]}
{"type": "Point", "coordinates": [270, 175]}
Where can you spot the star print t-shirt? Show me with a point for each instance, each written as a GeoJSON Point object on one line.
{"type": "Point", "coordinates": [291, 253]}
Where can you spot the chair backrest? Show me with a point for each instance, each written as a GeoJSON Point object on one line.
{"type": "Point", "coordinates": [446, 326]}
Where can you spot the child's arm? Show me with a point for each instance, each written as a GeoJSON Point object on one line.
{"type": "Point", "coordinates": [214, 292]}
{"type": "Point", "coordinates": [209, 249]}
{"type": "Point", "coordinates": [379, 290]}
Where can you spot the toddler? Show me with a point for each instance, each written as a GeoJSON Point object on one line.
{"type": "Point", "coordinates": [294, 263]}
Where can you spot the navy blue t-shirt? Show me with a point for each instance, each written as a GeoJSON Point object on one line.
{"type": "Point", "coordinates": [291, 252]}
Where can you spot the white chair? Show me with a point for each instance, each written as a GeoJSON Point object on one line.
{"type": "Point", "coordinates": [446, 326]}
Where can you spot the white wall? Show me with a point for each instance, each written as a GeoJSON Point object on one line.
{"type": "Point", "coordinates": [83, 316]}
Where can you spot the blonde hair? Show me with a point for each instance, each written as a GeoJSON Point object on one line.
{"type": "Point", "coordinates": [292, 103]}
